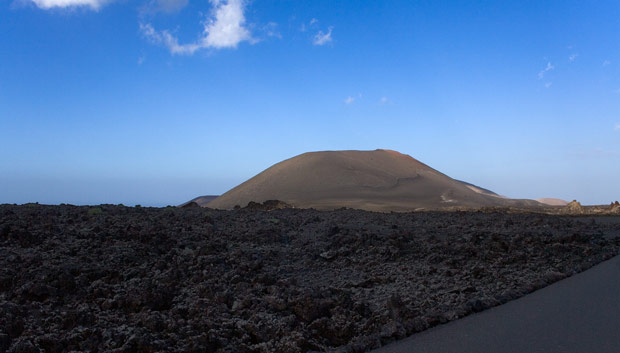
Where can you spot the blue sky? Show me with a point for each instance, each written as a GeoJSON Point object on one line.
{"type": "Point", "coordinates": [154, 102]}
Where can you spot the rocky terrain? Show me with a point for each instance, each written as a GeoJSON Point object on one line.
{"type": "Point", "coordinates": [122, 279]}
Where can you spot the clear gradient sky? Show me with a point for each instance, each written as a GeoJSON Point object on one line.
{"type": "Point", "coordinates": [154, 102]}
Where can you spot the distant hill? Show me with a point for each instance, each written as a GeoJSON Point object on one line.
{"type": "Point", "coordinates": [200, 200]}
{"type": "Point", "coordinates": [552, 202]}
{"type": "Point", "coordinates": [380, 180]}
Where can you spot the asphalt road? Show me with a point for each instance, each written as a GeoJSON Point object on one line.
{"type": "Point", "coordinates": [578, 314]}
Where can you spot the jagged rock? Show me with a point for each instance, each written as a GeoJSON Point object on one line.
{"type": "Point", "coordinates": [125, 279]}
{"type": "Point", "coordinates": [268, 205]}
{"type": "Point", "coordinates": [24, 346]}
{"type": "Point", "coordinates": [5, 342]}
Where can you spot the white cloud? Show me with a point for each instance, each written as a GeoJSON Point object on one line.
{"type": "Point", "coordinates": [383, 100]}
{"type": "Point", "coordinates": [48, 4]}
{"type": "Point", "coordinates": [548, 84]}
{"type": "Point", "coordinates": [323, 38]}
{"type": "Point", "coordinates": [617, 127]}
{"type": "Point", "coordinates": [549, 67]}
{"type": "Point", "coordinates": [349, 100]}
{"type": "Point", "coordinates": [225, 29]}
{"type": "Point", "coordinates": [313, 21]}
{"type": "Point", "coordinates": [573, 56]}
{"type": "Point", "coordinates": [141, 59]}
{"type": "Point", "coordinates": [606, 62]}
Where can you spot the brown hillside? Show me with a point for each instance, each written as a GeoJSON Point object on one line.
{"type": "Point", "coordinates": [380, 180]}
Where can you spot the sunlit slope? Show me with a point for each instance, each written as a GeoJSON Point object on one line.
{"type": "Point", "coordinates": [380, 180]}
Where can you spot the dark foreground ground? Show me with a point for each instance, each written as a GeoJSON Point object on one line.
{"type": "Point", "coordinates": [579, 314]}
{"type": "Point", "coordinates": [120, 279]}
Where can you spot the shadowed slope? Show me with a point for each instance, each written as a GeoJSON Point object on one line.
{"type": "Point", "coordinates": [380, 180]}
{"type": "Point", "coordinates": [200, 200]}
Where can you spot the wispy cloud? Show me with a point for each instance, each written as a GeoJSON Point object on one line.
{"type": "Point", "coordinates": [48, 4]}
{"type": "Point", "coordinates": [271, 30]}
{"type": "Point", "coordinates": [548, 84]}
{"type": "Point", "coordinates": [166, 6]}
{"type": "Point", "coordinates": [549, 67]}
{"type": "Point", "coordinates": [224, 29]}
{"type": "Point", "coordinates": [573, 56]}
{"type": "Point", "coordinates": [606, 62]}
{"type": "Point", "coordinates": [349, 100]}
{"type": "Point", "coordinates": [617, 127]}
{"type": "Point", "coordinates": [323, 38]}
{"type": "Point", "coordinates": [171, 42]}
{"type": "Point", "coordinates": [312, 24]}
{"type": "Point", "coordinates": [383, 100]}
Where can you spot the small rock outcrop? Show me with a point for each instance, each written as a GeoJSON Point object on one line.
{"type": "Point", "coordinates": [574, 207]}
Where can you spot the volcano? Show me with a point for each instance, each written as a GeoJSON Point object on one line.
{"type": "Point", "coordinates": [380, 180]}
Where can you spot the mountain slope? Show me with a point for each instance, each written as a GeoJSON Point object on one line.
{"type": "Point", "coordinates": [200, 200]}
{"type": "Point", "coordinates": [380, 180]}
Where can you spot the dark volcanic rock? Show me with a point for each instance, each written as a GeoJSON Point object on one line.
{"type": "Point", "coordinates": [121, 279]}
{"type": "Point", "coordinates": [268, 205]}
